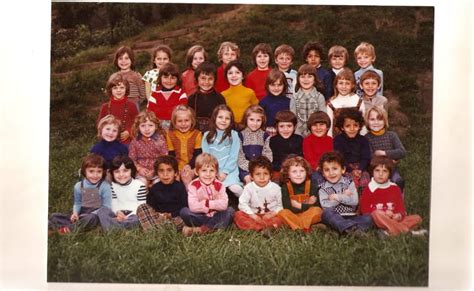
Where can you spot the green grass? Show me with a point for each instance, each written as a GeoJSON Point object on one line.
{"type": "Point", "coordinates": [288, 258]}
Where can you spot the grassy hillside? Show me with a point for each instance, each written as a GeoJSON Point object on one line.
{"type": "Point", "coordinates": [403, 38]}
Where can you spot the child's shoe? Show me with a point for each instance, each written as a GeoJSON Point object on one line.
{"type": "Point", "coordinates": [64, 230]}
{"type": "Point", "coordinates": [420, 232]}
{"type": "Point", "coordinates": [189, 230]}
{"type": "Point", "coordinates": [382, 234]}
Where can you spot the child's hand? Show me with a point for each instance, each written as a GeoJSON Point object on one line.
{"type": "Point", "coordinates": [74, 217]}
{"type": "Point", "coordinates": [222, 176]}
{"type": "Point", "coordinates": [295, 204]}
{"type": "Point", "coordinates": [397, 216]}
{"type": "Point", "coordinates": [333, 197]}
{"type": "Point", "coordinates": [254, 217]}
{"type": "Point", "coordinates": [347, 192]}
{"type": "Point", "coordinates": [269, 215]}
{"type": "Point", "coordinates": [146, 173]}
{"type": "Point", "coordinates": [121, 216]}
{"type": "Point", "coordinates": [187, 175]}
{"type": "Point", "coordinates": [247, 179]}
{"type": "Point", "coordinates": [389, 213]}
{"type": "Point", "coordinates": [380, 153]}
{"type": "Point", "coordinates": [310, 200]}
{"type": "Point", "coordinates": [124, 135]}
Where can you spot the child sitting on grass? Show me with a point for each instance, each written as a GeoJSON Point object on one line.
{"type": "Point", "coordinates": [166, 197]}
{"type": "Point", "coordinates": [207, 199]}
{"type": "Point", "coordinates": [261, 57]}
{"type": "Point", "coordinates": [127, 195]}
{"type": "Point", "coordinates": [299, 195]}
{"type": "Point", "coordinates": [365, 57]}
{"type": "Point", "coordinates": [90, 194]}
{"type": "Point", "coordinates": [383, 200]}
{"type": "Point", "coordinates": [339, 199]}
{"type": "Point", "coordinates": [260, 201]}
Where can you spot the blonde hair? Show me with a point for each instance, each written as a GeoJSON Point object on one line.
{"type": "Point", "coordinates": [257, 110]}
{"type": "Point", "coordinates": [294, 161]}
{"type": "Point", "coordinates": [206, 159]}
{"type": "Point", "coordinates": [344, 74]}
{"type": "Point", "coordinates": [285, 49]}
{"type": "Point", "coordinates": [365, 48]}
{"type": "Point", "coordinates": [106, 120]}
{"type": "Point", "coordinates": [228, 45]}
{"type": "Point", "coordinates": [381, 115]}
{"type": "Point", "coordinates": [336, 51]}
{"type": "Point", "coordinates": [142, 117]}
{"type": "Point", "coordinates": [185, 108]}
{"type": "Point", "coordinates": [190, 54]}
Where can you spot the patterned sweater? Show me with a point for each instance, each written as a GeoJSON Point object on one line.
{"type": "Point", "coordinates": [387, 196]}
{"type": "Point", "coordinates": [254, 144]}
{"type": "Point", "coordinates": [207, 199]}
{"type": "Point", "coordinates": [163, 107]}
{"type": "Point", "coordinates": [260, 200]}
{"type": "Point", "coordinates": [291, 75]}
{"type": "Point", "coordinates": [184, 146]}
{"type": "Point", "coordinates": [137, 86]}
{"type": "Point", "coordinates": [144, 151]}
{"type": "Point", "coordinates": [389, 142]}
{"type": "Point", "coordinates": [122, 109]}
{"type": "Point", "coordinates": [128, 196]}
{"type": "Point", "coordinates": [303, 104]}
{"type": "Point", "coordinates": [338, 188]}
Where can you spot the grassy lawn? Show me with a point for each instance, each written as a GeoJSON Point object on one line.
{"type": "Point", "coordinates": [234, 256]}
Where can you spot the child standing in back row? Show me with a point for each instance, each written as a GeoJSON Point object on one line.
{"type": "Point", "coordinates": [284, 56]}
{"type": "Point", "coordinates": [313, 55]}
{"type": "Point", "coordinates": [262, 57]}
{"type": "Point", "coordinates": [338, 57]}
{"type": "Point", "coordinates": [195, 56]}
{"type": "Point", "coordinates": [228, 51]}
{"type": "Point", "coordinates": [365, 57]}
{"type": "Point", "coordinates": [161, 55]}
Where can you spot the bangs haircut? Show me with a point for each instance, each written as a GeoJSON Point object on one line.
{"type": "Point", "coordinates": [206, 159]}
{"type": "Point", "coordinates": [106, 120]}
{"type": "Point", "coordinates": [206, 68]}
{"type": "Point", "coordinates": [190, 54]}
{"type": "Point", "coordinates": [142, 117]}
{"type": "Point", "coordinates": [307, 69]}
{"type": "Point", "coordinates": [93, 161]}
{"type": "Point", "coordinates": [285, 116]}
{"type": "Point", "coordinates": [369, 74]}
{"type": "Point", "coordinates": [365, 48]}
{"type": "Point", "coordinates": [381, 115]}
{"type": "Point", "coordinates": [318, 117]}
{"type": "Point", "coordinates": [263, 48]}
{"type": "Point", "coordinates": [167, 70]}
{"type": "Point", "coordinates": [330, 157]}
{"type": "Point", "coordinates": [125, 160]}
{"type": "Point", "coordinates": [338, 51]}
{"type": "Point", "coordinates": [257, 110]}
{"type": "Point", "coordinates": [167, 160]}
{"type": "Point", "coordinates": [294, 161]}
{"type": "Point", "coordinates": [161, 48]}
{"type": "Point", "coordinates": [381, 161]}
{"type": "Point", "coordinates": [120, 52]}
{"type": "Point", "coordinates": [273, 76]}
{"type": "Point", "coordinates": [238, 65]}
{"type": "Point", "coordinates": [114, 80]}
{"type": "Point", "coordinates": [285, 49]}
{"type": "Point", "coordinates": [183, 108]}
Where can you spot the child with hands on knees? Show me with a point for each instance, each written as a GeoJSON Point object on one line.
{"type": "Point", "coordinates": [161, 55]}
{"type": "Point", "coordinates": [339, 198]}
{"type": "Point", "coordinates": [184, 141]}
{"type": "Point", "coordinates": [370, 83]}
{"type": "Point", "coordinates": [109, 147]}
{"type": "Point", "coordinates": [90, 194]}
{"type": "Point", "coordinates": [261, 57]}
{"type": "Point", "coordinates": [149, 143]}
{"type": "Point", "coordinates": [275, 100]}
{"type": "Point", "coordinates": [206, 98]}
{"type": "Point", "coordinates": [383, 200]}
{"type": "Point", "coordinates": [284, 56]}
{"type": "Point", "coordinates": [353, 146]}
{"type": "Point", "coordinates": [195, 56]}
{"type": "Point", "coordinates": [227, 52]}
{"type": "Point", "coordinates": [313, 55]}
{"type": "Point", "coordinates": [255, 141]}
{"type": "Point", "coordinates": [299, 195]}
{"type": "Point", "coordinates": [168, 94]}
{"type": "Point", "coordinates": [223, 142]}
{"type": "Point", "coordinates": [118, 89]}
{"type": "Point", "coordinates": [307, 98]}
{"type": "Point", "coordinates": [124, 61]}
{"type": "Point", "coordinates": [207, 199]}
{"type": "Point", "coordinates": [127, 195]}
{"type": "Point", "coordinates": [344, 98]}
{"type": "Point", "coordinates": [365, 57]}
{"type": "Point", "coordinates": [166, 197]}
{"type": "Point", "coordinates": [260, 201]}
{"type": "Point", "coordinates": [238, 97]}
{"type": "Point", "coordinates": [384, 142]}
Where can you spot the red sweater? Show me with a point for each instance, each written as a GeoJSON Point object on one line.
{"type": "Point", "coordinates": [188, 82]}
{"type": "Point", "coordinates": [117, 109]}
{"type": "Point", "coordinates": [163, 107]}
{"type": "Point", "coordinates": [390, 194]}
{"type": "Point", "coordinates": [314, 147]}
{"type": "Point", "coordinates": [221, 83]}
{"type": "Point", "coordinates": [255, 80]}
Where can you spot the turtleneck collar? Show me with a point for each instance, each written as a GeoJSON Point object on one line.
{"type": "Point", "coordinates": [378, 133]}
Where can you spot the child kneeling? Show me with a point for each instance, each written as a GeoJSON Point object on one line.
{"type": "Point", "coordinates": [207, 199]}
{"type": "Point", "coordinates": [260, 201]}
{"type": "Point", "coordinates": [383, 200]}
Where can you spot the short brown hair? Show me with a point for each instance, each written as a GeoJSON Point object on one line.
{"type": "Point", "coordinates": [114, 80]}
{"type": "Point", "coordinates": [318, 117]}
{"type": "Point", "coordinates": [260, 162]}
{"type": "Point", "coordinates": [206, 159]}
{"type": "Point", "coordinates": [285, 49]}
{"type": "Point", "coordinates": [330, 157]}
{"type": "Point", "coordinates": [120, 52]}
{"type": "Point", "coordinates": [274, 76]}
{"type": "Point", "coordinates": [307, 69]}
{"type": "Point", "coordinates": [294, 161]}
{"type": "Point", "coordinates": [169, 69]}
{"type": "Point", "coordinates": [167, 160]}
{"type": "Point", "coordinates": [285, 116]}
{"type": "Point", "coordinates": [264, 48]}
{"type": "Point", "coordinates": [93, 161]}
{"type": "Point", "coordinates": [381, 161]}
{"type": "Point", "coordinates": [369, 74]}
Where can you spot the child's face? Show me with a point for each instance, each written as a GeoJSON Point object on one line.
{"type": "Point", "coordinates": [337, 62]}
{"type": "Point", "coordinates": [381, 174]}
{"type": "Point", "coordinates": [94, 174]}
{"type": "Point", "coordinates": [283, 61]}
{"type": "Point", "coordinates": [364, 60]}
{"type": "Point", "coordinates": [183, 121]}
{"type": "Point", "coordinates": [161, 58]}
{"type": "Point", "coordinates": [370, 87]}
{"type": "Point", "coordinates": [261, 176]}
{"type": "Point", "coordinates": [375, 121]}
{"type": "Point", "coordinates": [118, 91]}
{"type": "Point", "coordinates": [122, 175]}
{"type": "Point", "coordinates": [109, 132]}
{"type": "Point", "coordinates": [351, 127]}
{"type": "Point", "coordinates": [124, 62]}
{"type": "Point", "coordinates": [166, 173]}
{"type": "Point", "coordinates": [313, 58]}
{"type": "Point", "coordinates": [147, 128]}
{"type": "Point", "coordinates": [344, 87]}
{"type": "Point", "coordinates": [223, 119]}
{"type": "Point", "coordinates": [333, 171]}
{"type": "Point", "coordinates": [297, 174]}
{"type": "Point", "coordinates": [285, 129]}
{"type": "Point", "coordinates": [228, 56]}
{"type": "Point", "coordinates": [319, 129]}
{"type": "Point", "coordinates": [262, 60]}
{"type": "Point", "coordinates": [198, 58]}
{"type": "Point", "coordinates": [205, 82]}
{"type": "Point", "coordinates": [306, 81]}
{"type": "Point", "coordinates": [276, 88]}
{"type": "Point", "coordinates": [234, 76]}
{"type": "Point", "coordinates": [254, 121]}
{"type": "Point", "coordinates": [207, 174]}
{"type": "Point", "coordinates": [169, 81]}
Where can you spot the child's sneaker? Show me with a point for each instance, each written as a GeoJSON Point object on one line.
{"type": "Point", "coordinates": [64, 230]}
{"type": "Point", "coordinates": [189, 230]}
{"type": "Point", "coordinates": [382, 234]}
{"type": "Point", "coordinates": [420, 232]}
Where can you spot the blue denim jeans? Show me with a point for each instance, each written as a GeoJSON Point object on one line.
{"type": "Point", "coordinates": [221, 219]}
{"type": "Point", "coordinates": [340, 223]}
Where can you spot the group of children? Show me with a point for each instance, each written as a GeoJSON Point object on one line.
{"type": "Point", "coordinates": [297, 148]}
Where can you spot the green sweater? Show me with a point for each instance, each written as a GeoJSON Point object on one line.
{"type": "Point", "coordinates": [298, 189]}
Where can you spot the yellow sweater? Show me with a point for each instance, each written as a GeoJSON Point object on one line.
{"type": "Point", "coordinates": [239, 98]}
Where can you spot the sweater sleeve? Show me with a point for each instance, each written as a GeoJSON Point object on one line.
{"type": "Point", "coordinates": [365, 201]}
{"type": "Point", "coordinates": [242, 161]}
{"type": "Point", "coordinates": [365, 154]}
{"type": "Point", "coordinates": [196, 205]}
{"type": "Point", "coordinates": [204, 144]}
{"type": "Point", "coordinates": [353, 199]}
{"type": "Point", "coordinates": [267, 151]}
{"type": "Point", "coordinates": [324, 199]}
{"type": "Point", "coordinates": [76, 208]}
{"type": "Point", "coordinates": [220, 201]}
{"type": "Point", "coordinates": [399, 151]}
{"type": "Point", "coordinates": [244, 200]}
{"type": "Point", "coordinates": [321, 102]}
{"type": "Point", "coordinates": [231, 162]}
{"type": "Point", "coordinates": [308, 152]}
{"type": "Point", "coordinates": [106, 194]}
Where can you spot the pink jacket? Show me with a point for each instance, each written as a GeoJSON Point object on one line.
{"type": "Point", "coordinates": [213, 195]}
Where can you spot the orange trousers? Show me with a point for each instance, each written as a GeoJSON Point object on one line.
{"type": "Point", "coordinates": [302, 220]}
{"type": "Point", "coordinates": [392, 226]}
{"type": "Point", "coordinates": [245, 222]}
